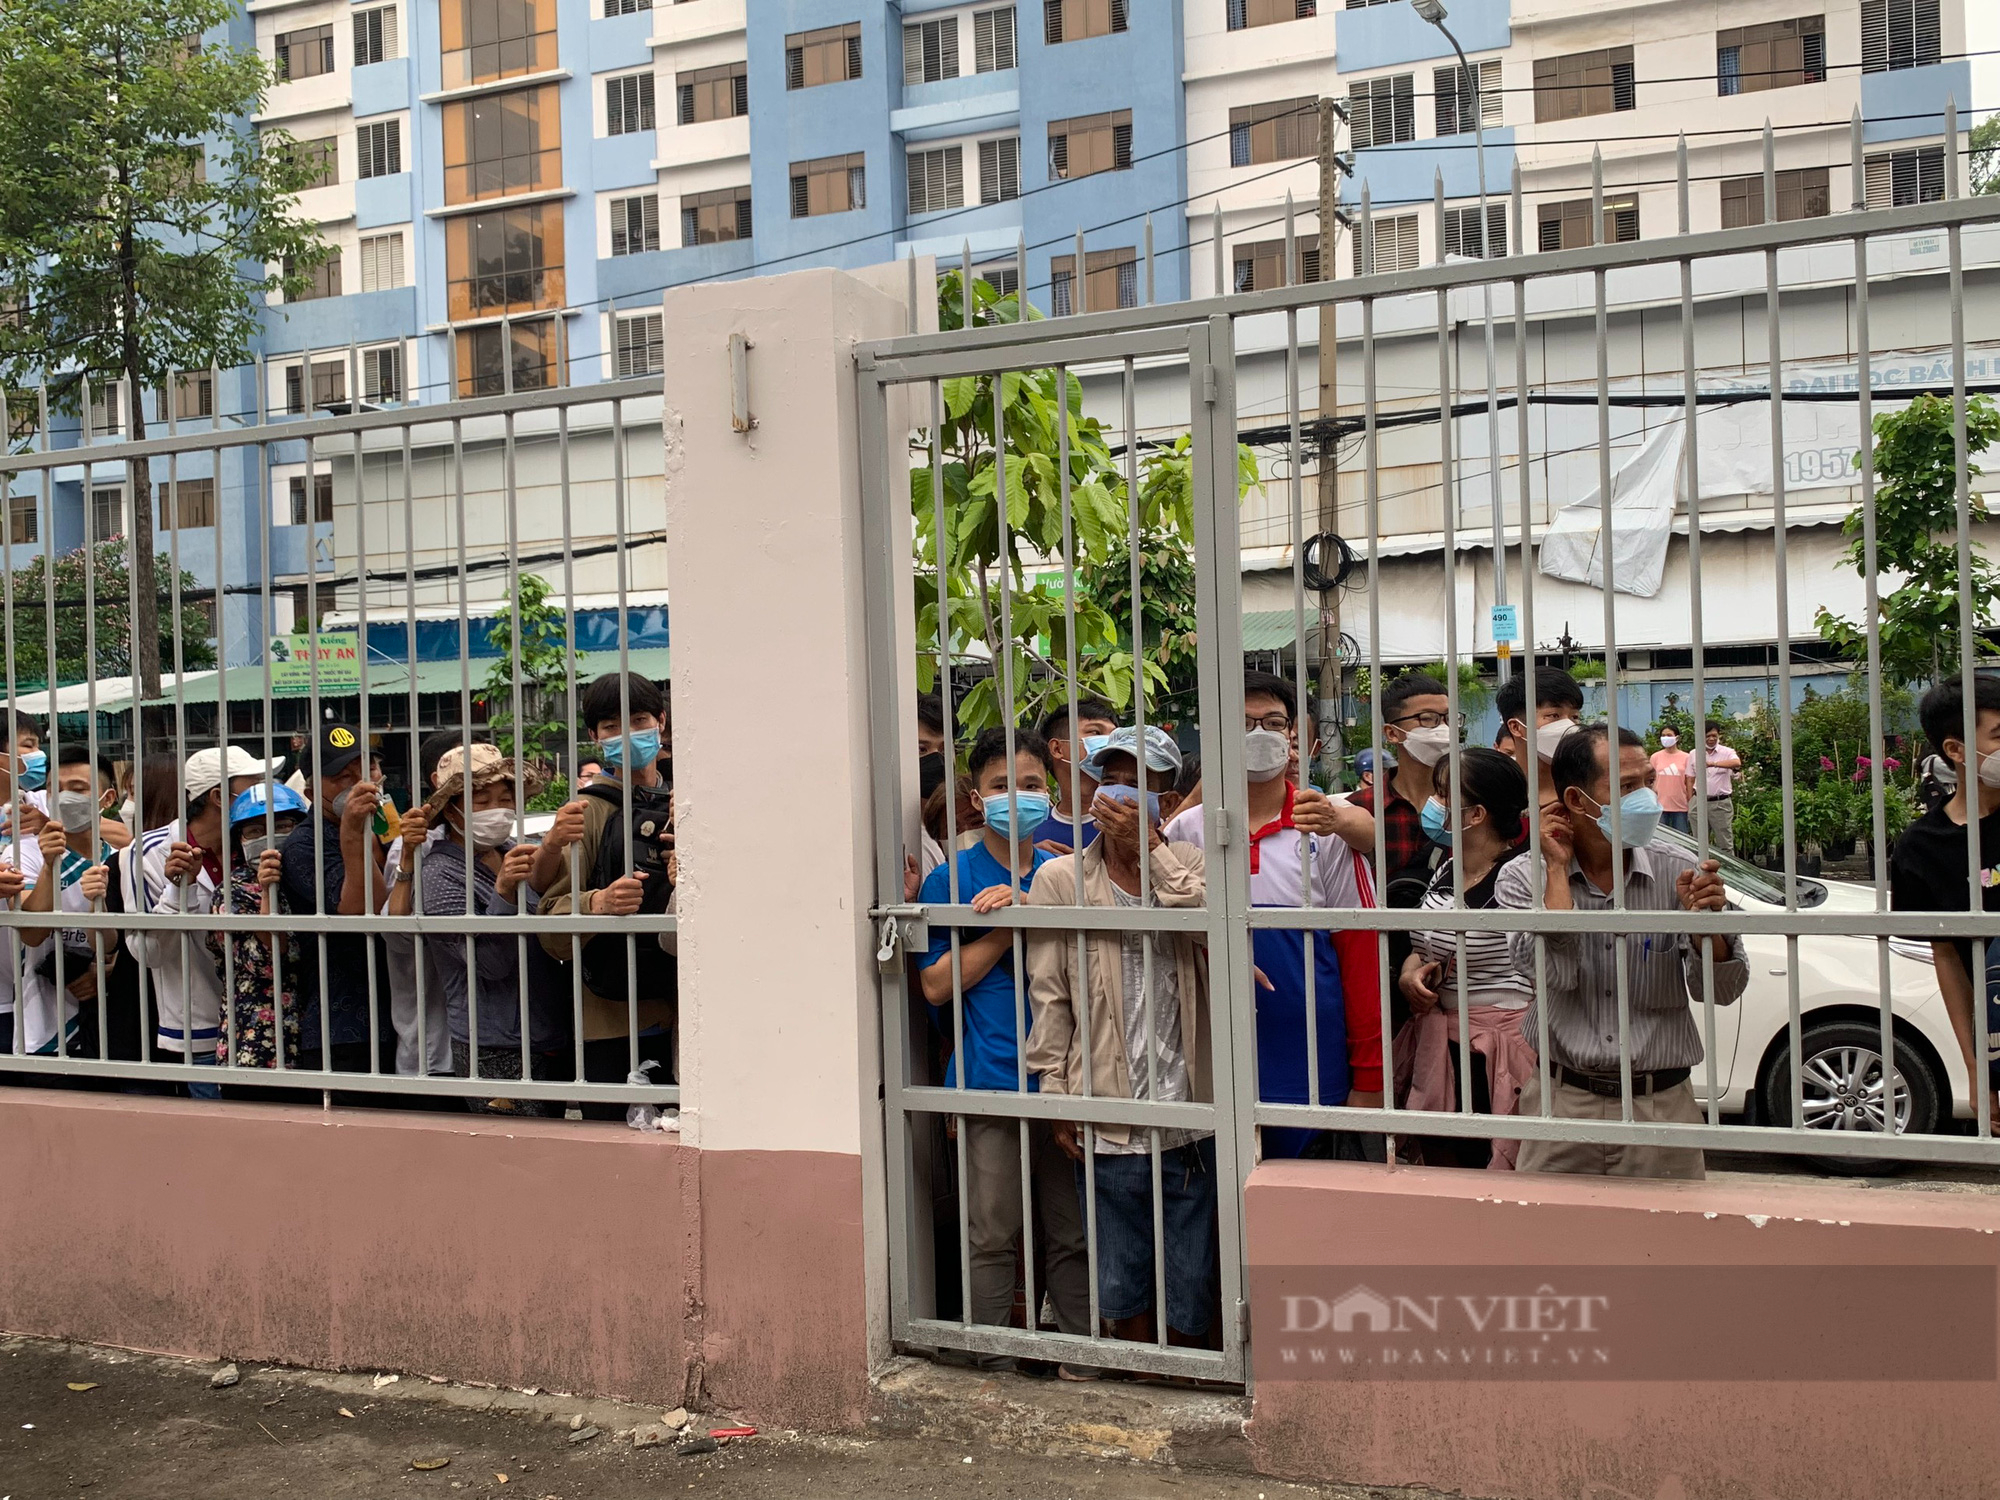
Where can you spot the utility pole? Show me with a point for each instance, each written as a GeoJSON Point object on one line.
{"type": "Point", "coordinates": [1327, 709]}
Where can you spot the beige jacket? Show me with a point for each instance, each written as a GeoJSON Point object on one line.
{"type": "Point", "coordinates": [1055, 1045]}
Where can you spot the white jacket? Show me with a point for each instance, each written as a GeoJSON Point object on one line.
{"type": "Point", "coordinates": [188, 995]}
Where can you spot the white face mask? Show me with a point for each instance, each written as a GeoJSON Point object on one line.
{"type": "Point", "coordinates": [1428, 746]}
{"type": "Point", "coordinates": [1669, 740]}
{"type": "Point", "coordinates": [1551, 735]}
{"type": "Point", "coordinates": [1266, 753]}
{"type": "Point", "coordinates": [1989, 769]}
{"type": "Point", "coordinates": [492, 827]}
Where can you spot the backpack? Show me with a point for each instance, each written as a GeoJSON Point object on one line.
{"type": "Point", "coordinates": [604, 957]}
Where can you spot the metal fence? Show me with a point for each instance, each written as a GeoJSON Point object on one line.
{"type": "Point", "coordinates": [405, 532]}
{"type": "Point", "coordinates": [957, 1199]}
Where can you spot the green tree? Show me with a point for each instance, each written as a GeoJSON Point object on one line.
{"type": "Point", "coordinates": [1916, 538]}
{"type": "Point", "coordinates": [140, 214]}
{"type": "Point", "coordinates": [992, 606]}
{"type": "Point", "coordinates": [1985, 155]}
{"type": "Point", "coordinates": [109, 584]}
{"type": "Point", "coordinates": [544, 674]}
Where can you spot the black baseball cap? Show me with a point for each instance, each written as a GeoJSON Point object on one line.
{"type": "Point", "coordinates": [338, 748]}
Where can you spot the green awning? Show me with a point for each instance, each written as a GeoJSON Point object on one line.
{"type": "Point", "coordinates": [1272, 629]}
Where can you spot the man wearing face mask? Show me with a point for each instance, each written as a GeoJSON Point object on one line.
{"type": "Point", "coordinates": [1927, 865]}
{"type": "Point", "coordinates": [1291, 829]}
{"type": "Point", "coordinates": [334, 864]}
{"type": "Point", "coordinates": [24, 780]}
{"type": "Point", "coordinates": [499, 870]}
{"type": "Point", "coordinates": [1558, 710]}
{"type": "Point", "coordinates": [598, 862]}
{"type": "Point", "coordinates": [1072, 739]}
{"type": "Point", "coordinates": [1417, 727]}
{"type": "Point", "coordinates": [1576, 1017]}
{"type": "Point", "coordinates": [70, 855]}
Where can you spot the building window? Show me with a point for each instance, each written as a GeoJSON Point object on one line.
{"type": "Point", "coordinates": [1364, 4]}
{"type": "Point", "coordinates": [1462, 236]}
{"type": "Point", "coordinates": [626, 7]}
{"type": "Point", "coordinates": [375, 38]}
{"type": "Point", "coordinates": [1382, 110]}
{"type": "Point", "coordinates": [313, 489]}
{"type": "Point", "coordinates": [304, 54]}
{"type": "Point", "coordinates": [718, 93]}
{"type": "Point", "coordinates": [23, 520]}
{"type": "Point", "coordinates": [1776, 55]}
{"type": "Point", "coordinates": [107, 409]}
{"type": "Point", "coordinates": [322, 281]}
{"type": "Point", "coordinates": [505, 262]}
{"type": "Point", "coordinates": [1802, 194]}
{"type": "Point", "coordinates": [1110, 280]}
{"type": "Point", "coordinates": [329, 385]}
{"type": "Point", "coordinates": [1244, 14]}
{"type": "Point", "coordinates": [628, 104]}
{"type": "Point", "coordinates": [1584, 83]}
{"type": "Point", "coordinates": [937, 179]}
{"type": "Point", "coordinates": [1000, 169]}
{"type": "Point", "coordinates": [1566, 226]}
{"type": "Point", "coordinates": [1004, 279]}
{"type": "Point", "coordinates": [525, 352]}
{"type": "Point", "coordinates": [635, 224]}
{"type": "Point", "coordinates": [107, 513]}
{"type": "Point", "coordinates": [194, 396]}
{"type": "Point", "coordinates": [712, 217]}
{"type": "Point", "coordinates": [379, 145]}
{"type": "Point", "coordinates": [319, 159]}
{"type": "Point", "coordinates": [829, 185]}
{"type": "Point", "coordinates": [381, 262]}
{"type": "Point", "coordinates": [641, 346]}
{"type": "Point", "coordinates": [1260, 265]}
{"type": "Point", "coordinates": [831, 54]}
{"type": "Point", "coordinates": [1089, 144]}
{"type": "Point", "coordinates": [1280, 131]}
{"type": "Point", "coordinates": [993, 49]}
{"type": "Point", "coordinates": [382, 374]}
{"type": "Point", "coordinates": [1895, 178]}
{"type": "Point", "coordinates": [1898, 34]}
{"type": "Point", "coordinates": [501, 144]}
{"type": "Point", "coordinates": [930, 50]}
{"type": "Point", "coordinates": [486, 39]}
{"type": "Point", "coordinates": [1455, 102]}
{"type": "Point", "coordinates": [1389, 245]}
{"type": "Point", "coordinates": [187, 503]}
{"type": "Point", "coordinates": [1079, 20]}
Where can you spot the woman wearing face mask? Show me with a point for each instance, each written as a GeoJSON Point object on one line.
{"type": "Point", "coordinates": [1672, 781]}
{"type": "Point", "coordinates": [479, 869]}
{"type": "Point", "coordinates": [1431, 1051]}
{"type": "Point", "coordinates": [262, 967]}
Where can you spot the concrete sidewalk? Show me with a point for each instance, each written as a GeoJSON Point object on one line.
{"type": "Point", "coordinates": [153, 1428]}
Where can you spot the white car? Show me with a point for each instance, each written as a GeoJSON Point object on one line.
{"type": "Point", "coordinates": [1840, 1021]}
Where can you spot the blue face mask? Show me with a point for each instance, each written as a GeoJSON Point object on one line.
{"type": "Point", "coordinates": [1017, 821]}
{"type": "Point", "coordinates": [1434, 815]}
{"type": "Point", "coordinates": [1118, 793]}
{"type": "Point", "coordinates": [645, 745]}
{"type": "Point", "coordinates": [35, 770]}
{"type": "Point", "coordinates": [1639, 817]}
{"type": "Point", "coordinates": [1092, 743]}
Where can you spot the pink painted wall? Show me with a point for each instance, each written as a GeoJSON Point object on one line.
{"type": "Point", "coordinates": [568, 1256]}
{"type": "Point", "coordinates": [1550, 1440]}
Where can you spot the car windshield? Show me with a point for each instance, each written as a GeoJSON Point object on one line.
{"type": "Point", "coordinates": [1744, 878]}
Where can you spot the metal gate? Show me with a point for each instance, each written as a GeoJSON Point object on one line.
{"type": "Point", "coordinates": [1593, 297]}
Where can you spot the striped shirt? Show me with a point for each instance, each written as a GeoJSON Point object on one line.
{"type": "Point", "coordinates": [1490, 975]}
{"type": "Point", "coordinates": [1663, 970]}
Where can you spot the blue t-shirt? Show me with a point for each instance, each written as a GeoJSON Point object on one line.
{"type": "Point", "coordinates": [993, 1042]}
{"type": "Point", "coordinates": [1056, 829]}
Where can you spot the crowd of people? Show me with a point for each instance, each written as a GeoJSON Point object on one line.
{"type": "Point", "coordinates": [226, 831]}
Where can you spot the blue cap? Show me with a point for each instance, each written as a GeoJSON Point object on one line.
{"type": "Point", "coordinates": [1365, 761]}
{"type": "Point", "coordinates": [249, 803]}
{"type": "Point", "coordinates": [1162, 754]}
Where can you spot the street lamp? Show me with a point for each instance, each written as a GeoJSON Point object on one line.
{"type": "Point", "coordinates": [1433, 11]}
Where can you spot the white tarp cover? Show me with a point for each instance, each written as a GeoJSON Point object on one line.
{"type": "Point", "coordinates": [1643, 493]}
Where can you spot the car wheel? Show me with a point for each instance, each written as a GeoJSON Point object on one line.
{"type": "Point", "coordinates": [1841, 1065]}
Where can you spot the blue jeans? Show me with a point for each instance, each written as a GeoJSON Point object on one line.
{"type": "Point", "coordinates": [1125, 1234]}
{"type": "Point", "coordinates": [1678, 821]}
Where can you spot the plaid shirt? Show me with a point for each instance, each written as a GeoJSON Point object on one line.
{"type": "Point", "coordinates": [1409, 849]}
